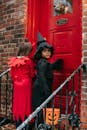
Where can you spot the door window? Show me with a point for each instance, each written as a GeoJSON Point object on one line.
{"type": "Point", "coordinates": [62, 7]}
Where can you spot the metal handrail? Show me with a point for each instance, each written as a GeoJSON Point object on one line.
{"type": "Point", "coordinates": [34, 114]}
{"type": "Point", "coordinates": [3, 73]}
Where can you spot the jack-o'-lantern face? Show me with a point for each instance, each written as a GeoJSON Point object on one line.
{"type": "Point", "coordinates": [52, 118]}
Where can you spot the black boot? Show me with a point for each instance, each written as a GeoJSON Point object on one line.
{"type": "Point", "coordinates": [17, 123]}
{"type": "Point", "coordinates": [31, 126]}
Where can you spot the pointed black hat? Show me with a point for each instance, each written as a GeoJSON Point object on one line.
{"type": "Point", "coordinates": [41, 44]}
{"type": "Point", "coordinates": [40, 38]}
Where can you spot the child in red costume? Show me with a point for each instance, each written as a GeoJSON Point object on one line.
{"type": "Point", "coordinates": [22, 72]}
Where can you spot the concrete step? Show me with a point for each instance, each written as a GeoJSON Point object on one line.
{"type": "Point", "coordinates": [9, 126]}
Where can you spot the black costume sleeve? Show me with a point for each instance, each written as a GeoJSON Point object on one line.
{"type": "Point", "coordinates": [42, 72]}
{"type": "Point", "coordinates": [58, 65]}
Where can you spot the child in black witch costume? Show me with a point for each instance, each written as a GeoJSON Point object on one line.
{"type": "Point", "coordinates": [43, 83]}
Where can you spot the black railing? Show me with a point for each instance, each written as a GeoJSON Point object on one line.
{"type": "Point", "coordinates": [67, 101]}
{"type": "Point", "coordinates": [5, 98]}
{"type": "Point", "coordinates": [68, 104]}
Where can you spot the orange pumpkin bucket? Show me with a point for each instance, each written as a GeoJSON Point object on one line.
{"type": "Point", "coordinates": [51, 115]}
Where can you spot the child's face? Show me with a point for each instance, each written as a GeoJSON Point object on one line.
{"type": "Point", "coordinates": [46, 53]}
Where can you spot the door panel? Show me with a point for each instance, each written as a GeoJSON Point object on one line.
{"type": "Point", "coordinates": [62, 41]}
{"type": "Point", "coordinates": [62, 20]}
{"type": "Point", "coordinates": [67, 47]}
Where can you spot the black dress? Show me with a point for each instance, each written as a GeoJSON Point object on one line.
{"type": "Point", "coordinates": [43, 84]}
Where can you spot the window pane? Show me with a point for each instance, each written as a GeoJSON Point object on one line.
{"type": "Point", "coordinates": [62, 7]}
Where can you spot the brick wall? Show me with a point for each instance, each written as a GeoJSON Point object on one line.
{"type": "Point", "coordinates": [12, 28]}
{"type": "Point", "coordinates": [84, 59]}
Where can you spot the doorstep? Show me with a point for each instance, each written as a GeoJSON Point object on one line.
{"type": "Point", "coordinates": [8, 127]}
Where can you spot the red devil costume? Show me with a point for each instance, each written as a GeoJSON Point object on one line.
{"type": "Point", "coordinates": [22, 73]}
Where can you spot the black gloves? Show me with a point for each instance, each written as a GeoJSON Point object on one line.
{"type": "Point", "coordinates": [58, 65]}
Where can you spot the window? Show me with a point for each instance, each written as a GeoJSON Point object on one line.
{"type": "Point", "coordinates": [62, 7]}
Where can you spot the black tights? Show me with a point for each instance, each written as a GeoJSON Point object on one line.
{"type": "Point", "coordinates": [18, 122]}
{"type": "Point", "coordinates": [40, 117]}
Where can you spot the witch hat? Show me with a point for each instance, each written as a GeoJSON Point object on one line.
{"type": "Point", "coordinates": [41, 44]}
{"type": "Point", "coordinates": [40, 39]}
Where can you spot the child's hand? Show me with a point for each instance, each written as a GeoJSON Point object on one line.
{"type": "Point", "coordinates": [58, 64]}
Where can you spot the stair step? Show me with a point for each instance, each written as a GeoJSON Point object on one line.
{"type": "Point", "coordinates": [8, 127]}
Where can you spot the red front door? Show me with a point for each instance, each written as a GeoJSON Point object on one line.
{"type": "Point", "coordinates": [60, 22]}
